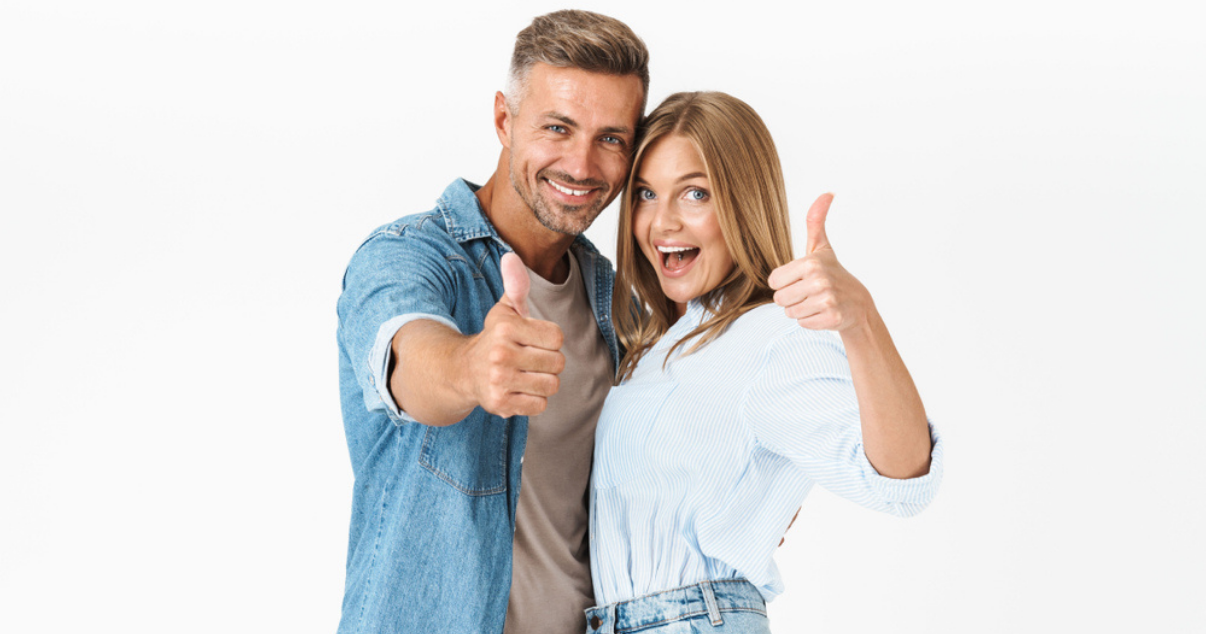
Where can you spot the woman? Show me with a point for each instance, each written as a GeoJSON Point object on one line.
{"type": "Point", "coordinates": [730, 407]}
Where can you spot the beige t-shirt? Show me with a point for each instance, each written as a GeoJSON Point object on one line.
{"type": "Point", "coordinates": [550, 581]}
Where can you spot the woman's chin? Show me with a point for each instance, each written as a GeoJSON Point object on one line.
{"type": "Point", "coordinates": [677, 295]}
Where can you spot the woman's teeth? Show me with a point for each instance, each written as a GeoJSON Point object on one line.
{"type": "Point", "coordinates": [676, 254]}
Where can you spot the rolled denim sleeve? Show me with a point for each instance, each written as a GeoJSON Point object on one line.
{"type": "Point", "coordinates": [395, 277]}
{"type": "Point", "coordinates": [804, 408]}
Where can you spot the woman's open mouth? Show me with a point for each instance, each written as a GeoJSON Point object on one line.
{"type": "Point", "coordinates": [676, 260]}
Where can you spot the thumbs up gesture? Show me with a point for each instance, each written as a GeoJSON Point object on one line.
{"type": "Point", "coordinates": [514, 361]}
{"type": "Point", "coordinates": [816, 290]}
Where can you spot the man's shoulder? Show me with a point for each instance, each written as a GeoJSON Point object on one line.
{"type": "Point", "coordinates": [429, 225]}
{"type": "Point", "coordinates": [420, 235]}
{"type": "Point", "coordinates": [456, 218]}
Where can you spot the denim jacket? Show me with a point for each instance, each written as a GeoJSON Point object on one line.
{"type": "Point", "coordinates": [433, 509]}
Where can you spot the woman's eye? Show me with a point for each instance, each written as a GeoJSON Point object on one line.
{"type": "Point", "coordinates": [644, 194]}
{"type": "Point", "coordinates": [697, 195]}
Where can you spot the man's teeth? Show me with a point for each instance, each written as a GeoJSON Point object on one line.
{"type": "Point", "coordinates": [571, 192]}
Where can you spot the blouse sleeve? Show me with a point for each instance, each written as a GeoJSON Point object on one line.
{"type": "Point", "coordinates": [802, 406]}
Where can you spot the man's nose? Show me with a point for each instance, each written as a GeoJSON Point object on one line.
{"type": "Point", "coordinates": [579, 158]}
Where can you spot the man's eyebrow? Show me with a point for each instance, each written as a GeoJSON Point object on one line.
{"type": "Point", "coordinates": [562, 118]}
{"type": "Point", "coordinates": [616, 130]}
{"type": "Point", "coordinates": [574, 124]}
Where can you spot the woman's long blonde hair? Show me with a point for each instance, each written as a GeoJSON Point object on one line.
{"type": "Point", "coordinates": [750, 203]}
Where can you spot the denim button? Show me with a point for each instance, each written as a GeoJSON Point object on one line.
{"type": "Point", "coordinates": [595, 622]}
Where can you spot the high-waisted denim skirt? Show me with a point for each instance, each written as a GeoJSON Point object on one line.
{"type": "Point", "coordinates": [732, 606]}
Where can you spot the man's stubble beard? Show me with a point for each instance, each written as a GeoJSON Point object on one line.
{"type": "Point", "coordinates": [574, 219]}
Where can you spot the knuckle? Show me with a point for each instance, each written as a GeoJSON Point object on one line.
{"type": "Point", "coordinates": [497, 355]}
{"type": "Point", "coordinates": [559, 364]}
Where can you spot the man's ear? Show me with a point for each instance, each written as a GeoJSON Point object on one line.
{"type": "Point", "coordinates": [502, 120]}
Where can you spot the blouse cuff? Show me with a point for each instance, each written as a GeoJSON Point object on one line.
{"type": "Point", "coordinates": [907, 496]}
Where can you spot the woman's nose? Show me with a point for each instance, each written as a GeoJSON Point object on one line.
{"type": "Point", "coordinates": [666, 218]}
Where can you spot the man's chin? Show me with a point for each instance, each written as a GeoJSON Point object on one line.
{"type": "Point", "coordinates": [570, 220]}
{"type": "Point", "coordinates": [574, 229]}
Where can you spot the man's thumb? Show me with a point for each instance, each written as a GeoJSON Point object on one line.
{"type": "Point", "coordinates": [515, 282]}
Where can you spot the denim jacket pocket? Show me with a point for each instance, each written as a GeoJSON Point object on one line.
{"type": "Point", "coordinates": [470, 456]}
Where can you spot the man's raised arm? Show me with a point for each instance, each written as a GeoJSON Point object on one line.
{"type": "Point", "coordinates": [510, 368]}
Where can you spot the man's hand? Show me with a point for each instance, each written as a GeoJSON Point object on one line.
{"type": "Point", "coordinates": [816, 290]}
{"type": "Point", "coordinates": [514, 361]}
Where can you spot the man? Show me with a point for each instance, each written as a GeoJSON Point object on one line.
{"type": "Point", "coordinates": [470, 403]}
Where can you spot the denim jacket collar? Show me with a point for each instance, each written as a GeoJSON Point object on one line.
{"type": "Point", "coordinates": [466, 220]}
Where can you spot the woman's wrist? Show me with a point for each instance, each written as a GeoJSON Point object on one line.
{"type": "Point", "coordinates": [864, 328]}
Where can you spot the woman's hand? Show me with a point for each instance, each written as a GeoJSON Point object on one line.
{"type": "Point", "coordinates": [820, 294]}
{"type": "Point", "coordinates": [816, 290]}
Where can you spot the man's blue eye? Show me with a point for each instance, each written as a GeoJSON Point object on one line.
{"type": "Point", "coordinates": [612, 140]}
{"type": "Point", "coordinates": [557, 128]}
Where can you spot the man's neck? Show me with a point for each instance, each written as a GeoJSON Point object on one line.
{"type": "Point", "coordinates": [541, 249]}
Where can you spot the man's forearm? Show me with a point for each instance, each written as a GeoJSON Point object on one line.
{"type": "Point", "coordinates": [428, 380]}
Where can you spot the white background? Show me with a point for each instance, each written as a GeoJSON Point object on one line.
{"type": "Point", "coordinates": [182, 184]}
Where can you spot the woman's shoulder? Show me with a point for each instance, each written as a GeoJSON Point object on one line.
{"type": "Point", "coordinates": [768, 321]}
{"type": "Point", "coordinates": [768, 329]}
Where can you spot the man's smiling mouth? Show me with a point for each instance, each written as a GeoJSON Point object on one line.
{"type": "Point", "coordinates": [568, 191]}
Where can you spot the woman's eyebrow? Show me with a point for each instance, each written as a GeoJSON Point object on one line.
{"type": "Point", "coordinates": [684, 177]}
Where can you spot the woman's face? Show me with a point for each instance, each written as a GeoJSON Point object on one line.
{"type": "Point", "coordinates": [674, 221]}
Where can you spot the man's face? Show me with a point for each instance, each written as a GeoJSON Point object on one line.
{"type": "Point", "coordinates": [570, 140]}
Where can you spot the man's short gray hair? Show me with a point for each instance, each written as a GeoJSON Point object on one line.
{"type": "Point", "coordinates": [577, 39]}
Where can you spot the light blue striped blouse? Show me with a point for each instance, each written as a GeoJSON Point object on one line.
{"type": "Point", "coordinates": [699, 468]}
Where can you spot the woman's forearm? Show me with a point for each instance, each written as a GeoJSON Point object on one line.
{"type": "Point", "coordinates": [896, 436]}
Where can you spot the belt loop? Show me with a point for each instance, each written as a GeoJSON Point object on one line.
{"type": "Point", "coordinates": [613, 616]}
{"type": "Point", "coordinates": [710, 600]}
